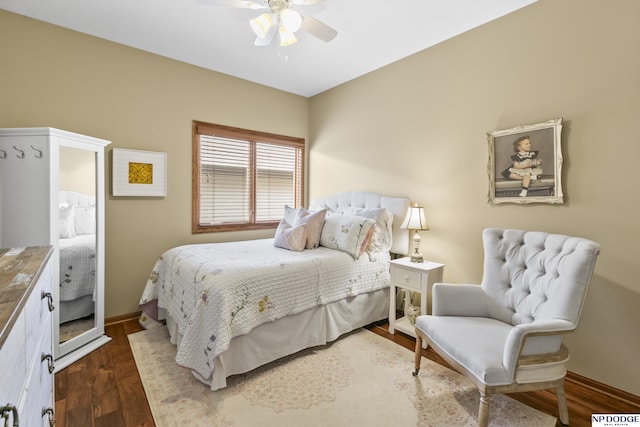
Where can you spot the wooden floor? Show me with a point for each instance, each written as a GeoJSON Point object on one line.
{"type": "Point", "coordinates": [104, 388]}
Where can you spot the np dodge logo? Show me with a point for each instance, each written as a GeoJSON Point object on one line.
{"type": "Point", "coordinates": [615, 420]}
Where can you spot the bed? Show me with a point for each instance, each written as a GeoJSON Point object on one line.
{"type": "Point", "coordinates": [232, 307]}
{"type": "Point", "coordinates": [77, 244]}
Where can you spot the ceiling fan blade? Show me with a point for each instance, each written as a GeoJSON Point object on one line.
{"type": "Point", "coordinates": [318, 28]}
{"type": "Point", "coordinates": [240, 4]}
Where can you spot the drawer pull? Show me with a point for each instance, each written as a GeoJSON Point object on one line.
{"type": "Point", "coordinates": [49, 359]}
{"type": "Point", "coordinates": [4, 413]}
{"type": "Point", "coordinates": [49, 298]}
{"type": "Point", "coordinates": [52, 418]}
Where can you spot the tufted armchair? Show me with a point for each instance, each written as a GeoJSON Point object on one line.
{"type": "Point", "coordinates": [506, 334]}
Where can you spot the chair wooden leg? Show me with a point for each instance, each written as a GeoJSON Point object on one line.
{"type": "Point", "coordinates": [418, 355]}
{"type": "Point", "coordinates": [483, 410]}
{"type": "Point", "coordinates": [562, 405]}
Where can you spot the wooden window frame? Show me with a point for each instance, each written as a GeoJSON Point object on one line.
{"type": "Point", "coordinates": [204, 128]}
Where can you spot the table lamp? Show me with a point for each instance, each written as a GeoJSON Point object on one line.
{"type": "Point", "coordinates": [416, 221]}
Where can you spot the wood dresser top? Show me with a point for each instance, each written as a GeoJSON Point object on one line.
{"type": "Point", "coordinates": [20, 269]}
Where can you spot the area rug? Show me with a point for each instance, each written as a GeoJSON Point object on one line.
{"type": "Point", "coordinates": [361, 379]}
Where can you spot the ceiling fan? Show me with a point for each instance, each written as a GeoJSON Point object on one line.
{"type": "Point", "coordinates": [282, 18]}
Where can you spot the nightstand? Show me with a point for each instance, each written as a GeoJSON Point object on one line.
{"type": "Point", "coordinates": [411, 276]}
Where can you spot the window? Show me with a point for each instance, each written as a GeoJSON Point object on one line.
{"type": "Point", "coordinates": [242, 179]}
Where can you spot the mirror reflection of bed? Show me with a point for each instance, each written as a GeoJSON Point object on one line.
{"type": "Point", "coordinates": [77, 242]}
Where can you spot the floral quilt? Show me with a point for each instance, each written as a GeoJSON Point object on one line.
{"type": "Point", "coordinates": [77, 267]}
{"type": "Point", "coordinates": [219, 291]}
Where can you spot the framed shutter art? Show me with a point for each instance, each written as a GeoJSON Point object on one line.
{"type": "Point", "coordinates": [139, 173]}
{"type": "Point", "coordinates": [242, 178]}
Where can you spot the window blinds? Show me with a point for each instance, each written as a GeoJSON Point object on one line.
{"type": "Point", "coordinates": [245, 181]}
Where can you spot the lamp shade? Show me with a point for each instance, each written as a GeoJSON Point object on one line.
{"type": "Point", "coordinates": [291, 20]}
{"type": "Point", "coordinates": [287, 38]}
{"type": "Point", "coordinates": [415, 219]}
{"type": "Point", "coordinates": [261, 24]}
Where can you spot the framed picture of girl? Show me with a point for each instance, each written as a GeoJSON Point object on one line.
{"type": "Point", "coordinates": [525, 164]}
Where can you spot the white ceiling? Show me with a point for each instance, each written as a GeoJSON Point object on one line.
{"type": "Point", "coordinates": [371, 34]}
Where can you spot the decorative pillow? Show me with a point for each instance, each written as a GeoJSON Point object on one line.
{"type": "Point", "coordinates": [382, 237]}
{"type": "Point", "coordinates": [85, 220]}
{"type": "Point", "coordinates": [314, 221]}
{"type": "Point", "coordinates": [289, 237]}
{"type": "Point", "coordinates": [346, 233]}
{"type": "Point", "coordinates": [66, 223]}
{"type": "Point", "coordinates": [290, 214]}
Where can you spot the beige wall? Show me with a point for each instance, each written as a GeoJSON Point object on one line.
{"type": "Point", "coordinates": [78, 170]}
{"type": "Point", "coordinates": [418, 128]}
{"type": "Point", "coordinates": [54, 77]}
{"type": "Point", "coordinates": [415, 128]}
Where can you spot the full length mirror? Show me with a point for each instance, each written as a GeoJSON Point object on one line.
{"type": "Point", "coordinates": [56, 198]}
{"type": "Point", "coordinates": [77, 244]}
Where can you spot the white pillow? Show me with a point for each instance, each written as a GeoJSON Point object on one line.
{"type": "Point", "coordinates": [290, 214]}
{"type": "Point", "coordinates": [85, 220]}
{"type": "Point", "coordinates": [66, 223]}
{"type": "Point", "coordinates": [382, 237]}
{"type": "Point", "coordinates": [346, 233]}
{"type": "Point", "coordinates": [314, 221]}
{"type": "Point", "coordinates": [289, 237]}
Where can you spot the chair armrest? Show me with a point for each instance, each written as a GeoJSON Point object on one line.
{"type": "Point", "coordinates": [546, 327]}
{"type": "Point", "coordinates": [539, 337]}
{"type": "Point", "coordinates": [459, 300]}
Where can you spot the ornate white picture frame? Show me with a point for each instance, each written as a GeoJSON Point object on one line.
{"type": "Point", "coordinates": [138, 173]}
{"type": "Point", "coordinates": [525, 164]}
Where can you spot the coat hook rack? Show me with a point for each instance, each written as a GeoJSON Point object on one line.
{"type": "Point", "coordinates": [21, 155]}
{"type": "Point", "coordinates": [39, 152]}
{"type": "Point", "coordinates": [3, 154]}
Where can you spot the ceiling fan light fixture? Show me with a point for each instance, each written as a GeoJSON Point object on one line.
{"type": "Point", "coordinates": [291, 20]}
{"type": "Point", "coordinates": [261, 24]}
{"type": "Point", "coordinates": [266, 40]}
{"type": "Point", "coordinates": [282, 18]}
{"type": "Point", "coordinates": [287, 38]}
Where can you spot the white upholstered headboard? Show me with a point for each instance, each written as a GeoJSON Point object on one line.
{"type": "Point", "coordinates": [364, 199]}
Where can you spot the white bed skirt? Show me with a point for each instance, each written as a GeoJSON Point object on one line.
{"type": "Point", "coordinates": [273, 340]}
{"type": "Point", "coordinates": [77, 308]}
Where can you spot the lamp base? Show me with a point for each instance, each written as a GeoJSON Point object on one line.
{"type": "Point", "coordinates": [416, 256]}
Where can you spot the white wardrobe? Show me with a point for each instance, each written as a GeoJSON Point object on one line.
{"type": "Point", "coordinates": [52, 192]}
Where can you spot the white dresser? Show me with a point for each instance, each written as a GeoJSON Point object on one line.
{"type": "Point", "coordinates": [26, 331]}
